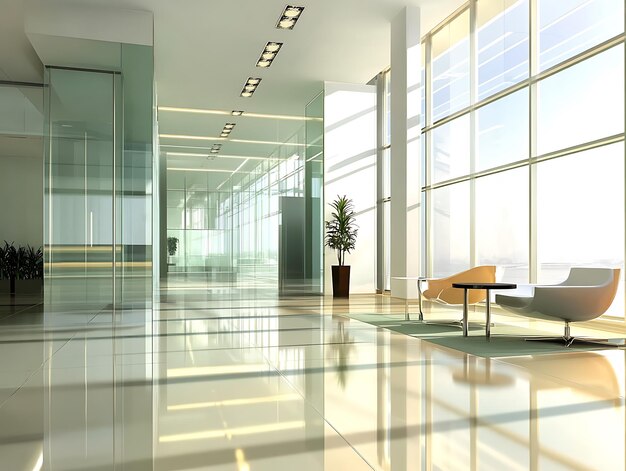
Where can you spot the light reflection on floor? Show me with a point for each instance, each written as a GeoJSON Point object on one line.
{"type": "Point", "coordinates": [219, 381]}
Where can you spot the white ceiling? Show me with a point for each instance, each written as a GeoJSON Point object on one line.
{"type": "Point", "coordinates": [206, 49]}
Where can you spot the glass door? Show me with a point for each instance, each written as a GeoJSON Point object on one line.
{"type": "Point", "coordinates": [79, 189]}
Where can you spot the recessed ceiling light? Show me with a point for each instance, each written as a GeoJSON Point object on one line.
{"type": "Point", "coordinates": [228, 127]}
{"type": "Point", "coordinates": [273, 47]}
{"type": "Point", "coordinates": [287, 23]}
{"type": "Point", "coordinates": [292, 12]}
{"type": "Point", "coordinates": [289, 17]}
{"type": "Point", "coordinates": [236, 113]}
{"type": "Point", "coordinates": [268, 54]}
{"type": "Point", "coordinates": [250, 86]}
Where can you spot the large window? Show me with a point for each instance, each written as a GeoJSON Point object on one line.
{"type": "Point", "coordinates": [450, 67]}
{"type": "Point", "coordinates": [524, 117]}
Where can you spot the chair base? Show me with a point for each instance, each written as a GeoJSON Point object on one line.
{"type": "Point", "coordinates": [568, 341]}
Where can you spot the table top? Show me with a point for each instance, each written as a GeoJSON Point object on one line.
{"type": "Point", "coordinates": [485, 285]}
{"type": "Point", "coordinates": [409, 278]}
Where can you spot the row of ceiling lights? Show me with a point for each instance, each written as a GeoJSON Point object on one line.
{"type": "Point", "coordinates": [287, 20]}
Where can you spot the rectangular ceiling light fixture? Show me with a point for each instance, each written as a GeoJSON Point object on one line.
{"type": "Point", "coordinates": [236, 112]}
{"type": "Point", "coordinates": [216, 148]}
{"type": "Point", "coordinates": [250, 87]}
{"type": "Point", "coordinates": [269, 54]}
{"type": "Point", "coordinates": [289, 17]}
{"type": "Point", "coordinates": [228, 127]}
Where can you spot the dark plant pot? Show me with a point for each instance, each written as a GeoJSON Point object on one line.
{"type": "Point", "coordinates": [341, 281]}
{"type": "Point", "coordinates": [34, 286]}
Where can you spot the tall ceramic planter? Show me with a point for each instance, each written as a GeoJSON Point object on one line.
{"type": "Point", "coordinates": [341, 281]}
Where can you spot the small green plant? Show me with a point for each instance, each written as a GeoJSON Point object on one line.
{"type": "Point", "coordinates": [20, 263]}
{"type": "Point", "coordinates": [31, 263]}
{"type": "Point", "coordinates": [341, 230]}
{"type": "Point", "coordinates": [172, 245]}
{"type": "Point", "coordinates": [10, 264]}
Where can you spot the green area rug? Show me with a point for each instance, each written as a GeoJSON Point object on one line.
{"type": "Point", "coordinates": [506, 340]}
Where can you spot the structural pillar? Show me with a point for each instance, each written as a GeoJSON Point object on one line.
{"type": "Point", "coordinates": [406, 126]}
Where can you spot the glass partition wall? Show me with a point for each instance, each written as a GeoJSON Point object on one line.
{"type": "Point", "coordinates": [256, 227]}
{"type": "Point", "coordinates": [524, 133]}
{"type": "Point", "coordinates": [98, 182]}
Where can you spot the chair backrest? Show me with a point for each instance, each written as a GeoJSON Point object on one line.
{"type": "Point", "coordinates": [585, 276]}
{"type": "Point", "coordinates": [586, 294]}
{"type": "Point", "coordinates": [480, 274]}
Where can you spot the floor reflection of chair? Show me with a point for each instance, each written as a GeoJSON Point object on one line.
{"type": "Point", "coordinates": [586, 372]}
{"type": "Point", "coordinates": [482, 375]}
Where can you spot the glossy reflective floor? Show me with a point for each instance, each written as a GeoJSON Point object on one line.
{"type": "Point", "coordinates": [242, 380]}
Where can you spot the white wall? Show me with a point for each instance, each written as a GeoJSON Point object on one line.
{"type": "Point", "coordinates": [21, 192]}
{"type": "Point", "coordinates": [350, 169]}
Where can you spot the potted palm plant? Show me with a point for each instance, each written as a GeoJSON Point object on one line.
{"type": "Point", "coordinates": [341, 233]}
{"type": "Point", "coordinates": [172, 247]}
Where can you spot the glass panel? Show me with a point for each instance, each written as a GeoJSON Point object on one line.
{"type": "Point", "coordinates": [450, 229]}
{"type": "Point", "coordinates": [502, 131]}
{"type": "Point", "coordinates": [79, 187]}
{"type": "Point", "coordinates": [450, 68]}
{"type": "Point", "coordinates": [314, 197]}
{"type": "Point", "coordinates": [568, 27]}
{"type": "Point", "coordinates": [502, 223]}
{"type": "Point", "coordinates": [175, 209]}
{"type": "Point", "coordinates": [134, 175]}
{"type": "Point", "coordinates": [451, 150]}
{"type": "Point", "coordinates": [502, 43]}
{"type": "Point", "coordinates": [582, 103]}
{"type": "Point", "coordinates": [197, 210]}
{"type": "Point", "coordinates": [580, 220]}
{"type": "Point", "coordinates": [386, 173]}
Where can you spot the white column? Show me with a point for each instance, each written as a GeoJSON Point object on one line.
{"type": "Point", "coordinates": [405, 150]}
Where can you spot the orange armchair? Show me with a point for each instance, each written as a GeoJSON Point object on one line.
{"type": "Point", "coordinates": [441, 290]}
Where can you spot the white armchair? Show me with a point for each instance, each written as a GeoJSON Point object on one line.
{"type": "Point", "coordinates": [586, 294]}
